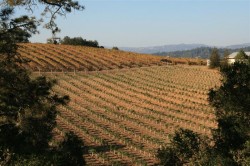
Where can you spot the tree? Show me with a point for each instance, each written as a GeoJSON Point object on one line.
{"type": "Point", "coordinates": [242, 57]}
{"type": "Point", "coordinates": [71, 150]}
{"type": "Point", "coordinates": [115, 48]}
{"type": "Point", "coordinates": [79, 41]}
{"type": "Point", "coordinates": [27, 106]}
{"type": "Point", "coordinates": [231, 140]}
{"type": "Point", "coordinates": [183, 146]}
{"type": "Point", "coordinates": [232, 103]}
{"type": "Point", "coordinates": [225, 58]}
{"type": "Point", "coordinates": [214, 58]}
{"type": "Point", "coordinates": [51, 8]}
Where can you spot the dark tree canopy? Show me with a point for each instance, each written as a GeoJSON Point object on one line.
{"type": "Point", "coordinates": [79, 41]}
{"type": "Point", "coordinates": [28, 105]}
{"type": "Point", "coordinates": [231, 140]}
{"type": "Point", "coordinates": [214, 58]}
{"type": "Point", "coordinates": [184, 145]}
{"type": "Point", "coordinates": [232, 103]}
{"type": "Point", "coordinates": [115, 48]}
{"type": "Point", "coordinates": [242, 57]}
{"type": "Point", "coordinates": [71, 150]}
{"type": "Point", "coordinates": [52, 8]}
{"type": "Point", "coordinates": [224, 62]}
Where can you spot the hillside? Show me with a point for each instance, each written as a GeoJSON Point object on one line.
{"type": "Point", "coordinates": [202, 52]}
{"type": "Point", "coordinates": [50, 57]}
{"type": "Point", "coordinates": [165, 48]}
{"type": "Point", "coordinates": [125, 115]}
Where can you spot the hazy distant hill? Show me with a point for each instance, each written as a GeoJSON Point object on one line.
{"type": "Point", "coordinates": [238, 46]}
{"type": "Point", "coordinates": [165, 48]}
{"type": "Point", "coordinates": [202, 52]}
{"type": "Point", "coordinates": [175, 47]}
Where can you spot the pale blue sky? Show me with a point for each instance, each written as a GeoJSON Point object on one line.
{"type": "Point", "coordinates": [157, 22]}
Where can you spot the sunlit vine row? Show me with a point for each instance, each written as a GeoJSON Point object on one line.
{"type": "Point", "coordinates": [47, 57]}
{"type": "Point", "coordinates": [125, 115]}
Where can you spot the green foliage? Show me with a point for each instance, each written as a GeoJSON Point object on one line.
{"type": "Point", "coordinates": [68, 152]}
{"type": "Point", "coordinates": [71, 150]}
{"type": "Point", "coordinates": [28, 106]}
{"type": "Point", "coordinates": [13, 31]}
{"type": "Point", "coordinates": [184, 145]}
{"type": "Point", "coordinates": [29, 110]}
{"type": "Point", "coordinates": [232, 102]}
{"type": "Point", "coordinates": [241, 55]}
{"type": "Point", "coordinates": [52, 8]}
{"type": "Point", "coordinates": [79, 41]}
{"type": "Point", "coordinates": [231, 139]}
{"type": "Point", "coordinates": [53, 40]}
{"type": "Point", "coordinates": [45, 159]}
{"type": "Point", "coordinates": [224, 62]}
{"type": "Point", "coordinates": [214, 59]}
{"type": "Point", "coordinates": [115, 48]}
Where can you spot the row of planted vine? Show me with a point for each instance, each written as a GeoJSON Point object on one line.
{"type": "Point", "coordinates": [46, 57]}
{"type": "Point", "coordinates": [124, 116]}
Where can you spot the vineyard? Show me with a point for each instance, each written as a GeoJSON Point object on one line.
{"type": "Point", "coordinates": [51, 57]}
{"type": "Point", "coordinates": [61, 58]}
{"type": "Point", "coordinates": [125, 115]}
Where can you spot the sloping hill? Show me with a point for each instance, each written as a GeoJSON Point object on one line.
{"type": "Point", "coordinates": [125, 115]}
{"type": "Point", "coordinates": [202, 52]}
{"type": "Point", "coordinates": [47, 57]}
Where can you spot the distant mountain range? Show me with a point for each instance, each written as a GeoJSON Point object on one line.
{"type": "Point", "coordinates": [175, 47]}
{"type": "Point", "coordinates": [201, 52]}
{"type": "Point", "coordinates": [165, 48]}
{"type": "Point", "coordinates": [238, 46]}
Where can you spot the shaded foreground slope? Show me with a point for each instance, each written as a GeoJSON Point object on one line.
{"type": "Point", "coordinates": [50, 57]}
{"type": "Point", "coordinates": [125, 115]}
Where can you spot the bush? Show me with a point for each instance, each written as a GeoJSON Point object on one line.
{"type": "Point", "coordinates": [115, 48]}
{"type": "Point", "coordinates": [214, 59]}
{"type": "Point", "coordinates": [79, 41]}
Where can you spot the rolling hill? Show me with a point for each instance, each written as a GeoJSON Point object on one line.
{"type": "Point", "coordinates": [124, 115]}
{"type": "Point", "coordinates": [164, 48]}
{"type": "Point", "coordinates": [50, 57]}
{"type": "Point", "coordinates": [202, 52]}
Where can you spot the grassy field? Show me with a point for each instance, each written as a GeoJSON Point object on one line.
{"type": "Point", "coordinates": [125, 115]}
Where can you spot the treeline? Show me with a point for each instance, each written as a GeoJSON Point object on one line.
{"type": "Point", "coordinates": [77, 41]}
{"type": "Point", "coordinates": [202, 52]}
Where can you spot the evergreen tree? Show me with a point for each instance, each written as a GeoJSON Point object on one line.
{"type": "Point", "coordinates": [232, 103]}
{"type": "Point", "coordinates": [183, 146]}
{"type": "Point", "coordinates": [71, 150]}
{"type": "Point", "coordinates": [242, 57]}
{"type": "Point", "coordinates": [79, 41]}
{"type": "Point", "coordinates": [27, 106]}
{"type": "Point", "coordinates": [214, 59]}
{"type": "Point", "coordinates": [225, 58]}
{"type": "Point", "coordinates": [232, 137]}
{"type": "Point", "coordinates": [115, 48]}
